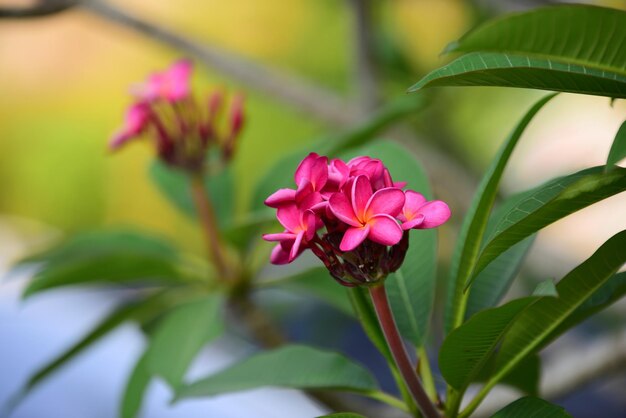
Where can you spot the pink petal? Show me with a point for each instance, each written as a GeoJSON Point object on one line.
{"type": "Point", "coordinates": [413, 201]}
{"type": "Point", "coordinates": [304, 168]}
{"type": "Point", "coordinates": [435, 213]}
{"type": "Point", "coordinates": [353, 237]}
{"type": "Point", "coordinates": [385, 201]}
{"type": "Point", "coordinates": [340, 206]}
{"type": "Point", "coordinates": [310, 222]}
{"type": "Point", "coordinates": [361, 193]}
{"type": "Point", "coordinates": [283, 236]}
{"type": "Point", "coordinates": [289, 217]}
{"type": "Point", "coordinates": [279, 255]}
{"type": "Point", "coordinates": [338, 173]}
{"type": "Point", "coordinates": [319, 173]}
{"type": "Point", "coordinates": [384, 230]}
{"type": "Point", "coordinates": [309, 201]}
{"type": "Point", "coordinates": [295, 250]}
{"type": "Point", "coordinates": [281, 197]}
{"type": "Point", "coordinates": [305, 188]}
{"type": "Point", "coordinates": [413, 223]}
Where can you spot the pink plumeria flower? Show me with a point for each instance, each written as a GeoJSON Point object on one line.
{"type": "Point", "coordinates": [418, 213]}
{"type": "Point", "coordinates": [135, 123]}
{"type": "Point", "coordinates": [171, 85]}
{"type": "Point", "coordinates": [300, 227]}
{"type": "Point", "coordinates": [367, 214]}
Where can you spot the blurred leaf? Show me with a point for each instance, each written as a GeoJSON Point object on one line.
{"type": "Point", "coordinates": [531, 407]}
{"type": "Point", "coordinates": [548, 204]}
{"type": "Point", "coordinates": [342, 415]}
{"type": "Point", "coordinates": [411, 289]}
{"type": "Point", "coordinates": [136, 388]}
{"type": "Point", "coordinates": [546, 288]}
{"type": "Point", "coordinates": [467, 349]}
{"type": "Point", "coordinates": [475, 223]}
{"type": "Point", "coordinates": [139, 311]}
{"type": "Point", "coordinates": [554, 48]}
{"type": "Point", "coordinates": [535, 325]}
{"type": "Point", "coordinates": [618, 149]}
{"type": "Point", "coordinates": [281, 174]}
{"type": "Point", "coordinates": [295, 366]}
{"type": "Point", "coordinates": [95, 243]}
{"type": "Point", "coordinates": [176, 186]}
{"type": "Point", "coordinates": [318, 282]}
{"type": "Point", "coordinates": [180, 335]}
{"type": "Point", "coordinates": [121, 268]}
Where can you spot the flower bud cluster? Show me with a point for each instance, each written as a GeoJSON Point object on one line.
{"type": "Point", "coordinates": [181, 129]}
{"type": "Point", "coordinates": [352, 216]}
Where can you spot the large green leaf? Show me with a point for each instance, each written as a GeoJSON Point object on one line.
{"type": "Point", "coordinates": [180, 335]}
{"type": "Point", "coordinates": [507, 70]}
{"type": "Point", "coordinates": [138, 311]}
{"type": "Point", "coordinates": [317, 282]}
{"type": "Point", "coordinates": [466, 351]}
{"type": "Point", "coordinates": [585, 35]}
{"type": "Point", "coordinates": [411, 289]}
{"type": "Point", "coordinates": [564, 48]}
{"type": "Point", "coordinates": [548, 204]}
{"type": "Point", "coordinates": [281, 173]}
{"type": "Point", "coordinates": [475, 223]}
{"type": "Point", "coordinates": [135, 390]}
{"type": "Point", "coordinates": [293, 366]}
{"type": "Point", "coordinates": [176, 186]}
{"type": "Point", "coordinates": [535, 325]}
{"type": "Point", "coordinates": [531, 407]}
{"type": "Point", "coordinates": [618, 149]}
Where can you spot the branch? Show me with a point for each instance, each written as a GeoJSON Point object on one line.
{"type": "Point", "coordinates": [39, 9]}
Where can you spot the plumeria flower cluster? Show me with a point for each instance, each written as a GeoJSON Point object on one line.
{"type": "Point", "coordinates": [182, 129]}
{"type": "Point", "coordinates": [352, 216]}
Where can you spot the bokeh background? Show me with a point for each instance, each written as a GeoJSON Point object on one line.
{"type": "Point", "coordinates": [64, 83]}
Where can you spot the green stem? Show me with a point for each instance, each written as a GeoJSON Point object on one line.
{"type": "Point", "coordinates": [206, 213]}
{"type": "Point", "coordinates": [396, 346]}
{"type": "Point", "coordinates": [388, 399]}
{"type": "Point", "coordinates": [471, 407]}
{"type": "Point", "coordinates": [426, 374]}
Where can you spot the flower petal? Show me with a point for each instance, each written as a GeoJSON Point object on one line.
{"type": "Point", "coordinates": [281, 197]}
{"type": "Point", "coordinates": [319, 173]}
{"type": "Point", "coordinates": [353, 237]}
{"type": "Point", "coordinates": [295, 250]}
{"type": "Point", "coordinates": [304, 169]}
{"type": "Point", "coordinates": [413, 201]}
{"type": "Point", "coordinates": [283, 236]}
{"type": "Point", "coordinates": [387, 201]}
{"type": "Point", "coordinates": [361, 194]}
{"type": "Point", "coordinates": [289, 216]}
{"type": "Point", "coordinates": [413, 223]}
{"type": "Point", "coordinates": [279, 256]}
{"type": "Point", "coordinates": [435, 213]}
{"type": "Point", "coordinates": [384, 230]}
{"type": "Point", "coordinates": [340, 206]}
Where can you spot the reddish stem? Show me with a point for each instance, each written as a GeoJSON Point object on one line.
{"type": "Point", "coordinates": [388, 325]}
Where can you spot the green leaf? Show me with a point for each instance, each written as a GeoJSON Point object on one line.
{"type": "Point", "coordinates": [618, 149]}
{"type": "Point", "coordinates": [180, 335]}
{"type": "Point", "coordinates": [535, 326]}
{"type": "Point", "coordinates": [120, 268]}
{"type": "Point", "coordinates": [548, 204]}
{"type": "Point", "coordinates": [465, 353]}
{"type": "Point", "coordinates": [411, 289]}
{"type": "Point", "coordinates": [136, 388]}
{"type": "Point", "coordinates": [295, 366]}
{"type": "Point", "coordinates": [176, 186]}
{"type": "Point", "coordinates": [531, 407]}
{"type": "Point", "coordinates": [563, 48]}
{"type": "Point", "coordinates": [319, 283]}
{"type": "Point", "coordinates": [475, 222]}
{"type": "Point", "coordinates": [579, 34]}
{"type": "Point", "coordinates": [506, 70]}
{"type": "Point", "coordinates": [280, 175]}
{"type": "Point", "coordinates": [525, 377]}
{"type": "Point", "coordinates": [138, 311]}
{"type": "Point", "coordinates": [342, 415]}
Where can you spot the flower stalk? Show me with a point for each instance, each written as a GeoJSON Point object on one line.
{"type": "Point", "coordinates": [398, 351]}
